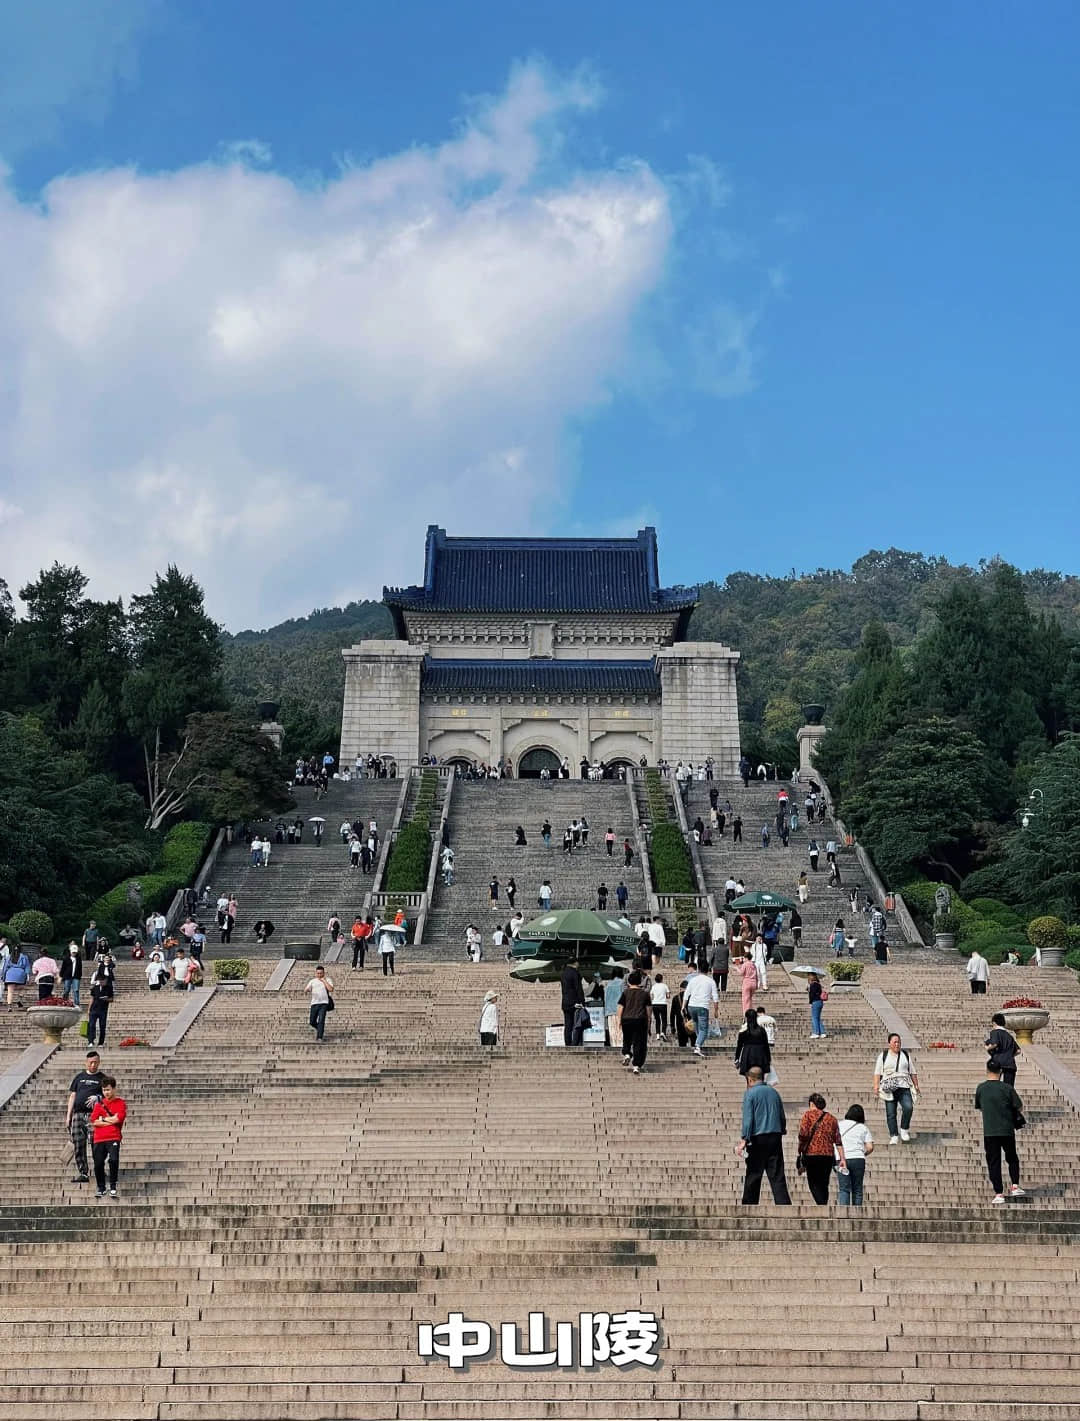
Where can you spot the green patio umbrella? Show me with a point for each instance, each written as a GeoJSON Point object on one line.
{"type": "Point", "coordinates": [761, 900]}
{"type": "Point", "coordinates": [544, 946]}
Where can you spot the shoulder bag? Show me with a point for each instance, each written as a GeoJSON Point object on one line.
{"type": "Point", "coordinates": [800, 1158]}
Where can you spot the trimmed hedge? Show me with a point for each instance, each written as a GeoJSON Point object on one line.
{"type": "Point", "coordinates": [845, 971]}
{"type": "Point", "coordinates": [410, 855]}
{"type": "Point", "coordinates": [231, 969]}
{"type": "Point", "coordinates": [177, 866]}
{"type": "Point", "coordinates": [1047, 932]}
{"type": "Point", "coordinates": [672, 869]}
{"type": "Point", "coordinates": [6, 930]}
{"type": "Point", "coordinates": [32, 926]}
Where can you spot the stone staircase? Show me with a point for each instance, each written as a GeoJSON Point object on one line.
{"type": "Point", "coordinates": [303, 883]}
{"type": "Point", "coordinates": [291, 1213]}
{"type": "Point", "coordinates": [776, 869]}
{"type": "Point", "coordinates": [483, 817]}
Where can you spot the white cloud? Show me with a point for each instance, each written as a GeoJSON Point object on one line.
{"type": "Point", "coordinates": [280, 386]}
{"type": "Point", "coordinates": [252, 151]}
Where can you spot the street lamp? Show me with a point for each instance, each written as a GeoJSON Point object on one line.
{"type": "Point", "coordinates": [1033, 808]}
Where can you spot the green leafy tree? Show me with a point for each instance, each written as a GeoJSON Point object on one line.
{"type": "Point", "coordinates": [1042, 861]}
{"type": "Point", "coordinates": [869, 713]}
{"type": "Point", "coordinates": [919, 807]}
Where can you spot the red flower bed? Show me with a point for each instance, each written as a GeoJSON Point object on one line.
{"type": "Point", "coordinates": [942, 1045]}
{"type": "Point", "coordinates": [129, 1041]}
{"type": "Point", "coordinates": [54, 1002]}
{"type": "Point", "coordinates": [1020, 1002]}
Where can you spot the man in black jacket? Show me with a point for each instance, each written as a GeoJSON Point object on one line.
{"type": "Point", "coordinates": [573, 996]}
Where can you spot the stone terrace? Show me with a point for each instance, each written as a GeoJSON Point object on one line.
{"type": "Point", "coordinates": [289, 1213]}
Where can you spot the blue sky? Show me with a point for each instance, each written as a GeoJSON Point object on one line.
{"type": "Point", "coordinates": [788, 281]}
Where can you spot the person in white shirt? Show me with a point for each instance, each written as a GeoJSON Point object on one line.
{"type": "Point", "coordinates": [182, 969]}
{"type": "Point", "coordinates": [543, 896]}
{"type": "Point", "coordinates": [321, 988]}
{"type": "Point", "coordinates": [498, 940]}
{"type": "Point", "coordinates": [760, 957]}
{"type": "Point", "coordinates": [700, 1001]}
{"type": "Point", "coordinates": [719, 930]}
{"type": "Point", "coordinates": [516, 922]}
{"type": "Point", "coordinates": [266, 851]}
{"type": "Point", "coordinates": [256, 852]}
{"type": "Point", "coordinates": [157, 974]}
{"type": "Point", "coordinates": [489, 1020]}
{"type": "Point", "coordinates": [656, 934]}
{"type": "Point", "coordinates": [978, 974]}
{"type": "Point", "coordinates": [472, 943]}
{"type": "Point", "coordinates": [768, 1025]}
{"type": "Point", "coordinates": [659, 995]}
{"type": "Point", "coordinates": [856, 1142]}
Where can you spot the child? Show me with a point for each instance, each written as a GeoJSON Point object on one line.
{"type": "Point", "coordinates": [659, 995]}
{"type": "Point", "coordinates": [107, 1123]}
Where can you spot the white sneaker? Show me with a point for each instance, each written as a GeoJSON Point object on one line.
{"type": "Point", "coordinates": [637, 1070]}
{"type": "Point", "coordinates": [626, 1060]}
{"type": "Point", "coordinates": [1016, 1192]}
{"type": "Point", "coordinates": [999, 1198]}
{"type": "Point", "coordinates": [698, 1051]}
{"type": "Point", "coordinates": [894, 1139]}
{"type": "Point", "coordinates": [905, 1137]}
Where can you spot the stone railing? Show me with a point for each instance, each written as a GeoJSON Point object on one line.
{"type": "Point", "coordinates": [642, 848]}
{"type": "Point", "coordinates": [411, 902]}
{"type": "Point", "coordinates": [701, 903]}
{"type": "Point", "coordinates": [433, 866]}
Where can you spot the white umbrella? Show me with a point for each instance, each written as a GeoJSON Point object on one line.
{"type": "Point", "coordinates": [316, 819]}
{"type": "Point", "coordinates": [803, 970]}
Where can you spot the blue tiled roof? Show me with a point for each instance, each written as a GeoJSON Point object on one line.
{"type": "Point", "coordinates": [540, 575]}
{"type": "Point", "coordinates": [537, 676]}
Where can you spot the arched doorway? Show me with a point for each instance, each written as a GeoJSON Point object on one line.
{"type": "Point", "coordinates": [535, 760]}
{"type": "Point", "coordinates": [617, 764]}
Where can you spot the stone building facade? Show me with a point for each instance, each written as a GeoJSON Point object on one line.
{"type": "Point", "coordinates": [535, 649]}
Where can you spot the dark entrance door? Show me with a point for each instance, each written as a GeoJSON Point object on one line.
{"type": "Point", "coordinates": [533, 761]}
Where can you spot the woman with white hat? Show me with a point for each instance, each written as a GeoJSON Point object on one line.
{"type": "Point", "coordinates": [489, 1020]}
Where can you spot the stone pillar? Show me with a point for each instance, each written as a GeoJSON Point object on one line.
{"type": "Point", "coordinates": [699, 704]}
{"type": "Point", "coordinates": [275, 731]}
{"type": "Point", "coordinates": [381, 714]}
{"type": "Point", "coordinates": [809, 738]}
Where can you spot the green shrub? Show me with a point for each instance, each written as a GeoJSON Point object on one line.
{"type": "Point", "coordinates": [407, 870]}
{"type": "Point", "coordinates": [6, 930]}
{"type": "Point", "coordinates": [32, 926]}
{"type": "Point", "coordinates": [232, 969]}
{"type": "Point", "coordinates": [1072, 935]}
{"type": "Point", "coordinates": [845, 971]}
{"type": "Point", "coordinates": [1072, 958]}
{"type": "Point", "coordinates": [672, 870]}
{"type": "Point", "coordinates": [996, 909]}
{"type": "Point", "coordinates": [946, 923]}
{"type": "Point", "coordinates": [1047, 933]}
{"type": "Point", "coordinates": [177, 866]}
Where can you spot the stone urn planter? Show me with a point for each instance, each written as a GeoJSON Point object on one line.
{"type": "Point", "coordinates": [54, 1021]}
{"type": "Point", "coordinates": [813, 714]}
{"type": "Point", "coordinates": [945, 941]}
{"type": "Point", "coordinates": [1052, 957]}
{"type": "Point", "coordinates": [1023, 1021]}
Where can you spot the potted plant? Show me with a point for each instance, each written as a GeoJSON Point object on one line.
{"type": "Point", "coordinates": [1051, 937]}
{"type": "Point", "coordinates": [845, 975]}
{"type": "Point", "coordinates": [946, 926]}
{"type": "Point", "coordinates": [54, 1015]}
{"type": "Point", "coordinates": [230, 973]}
{"type": "Point", "coordinates": [1023, 1016]}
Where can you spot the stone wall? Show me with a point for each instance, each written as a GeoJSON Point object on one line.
{"type": "Point", "coordinates": [381, 713]}
{"type": "Point", "coordinates": [700, 715]}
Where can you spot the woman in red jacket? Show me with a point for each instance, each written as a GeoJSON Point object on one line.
{"type": "Point", "coordinates": [819, 1146]}
{"type": "Point", "coordinates": [107, 1122]}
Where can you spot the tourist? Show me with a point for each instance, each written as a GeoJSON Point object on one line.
{"type": "Point", "coordinates": [516, 922]}
{"type": "Point", "coordinates": [572, 997]}
{"type": "Point", "coordinates": [978, 973]}
{"type": "Point", "coordinates": [622, 896]}
{"type": "Point", "coordinates": [520, 841]}
{"type": "Point", "coordinates": [543, 897]}
{"type": "Point", "coordinates": [511, 892]}
{"type": "Point", "coordinates": [609, 841]}
{"type": "Point", "coordinates": [816, 996]}
{"type": "Point", "coordinates": [837, 939]}
{"type": "Point", "coordinates": [256, 852]}
{"type": "Point", "coordinates": [752, 1047]}
{"type": "Point", "coordinates": [701, 1002]}
{"type": "Point", "coordinates": [157, 973]}
{"type": "Point", "coordinates": [819, 1147]}
{"type": "Point", "coordinates": [1002, 1115]}
{"type": "Point", "coordinates": [321, 990]}
{"type": "Point", "coordinates": [345, 829]}
{"type": "Point", "coordinates": [628, 853]}
{"type": "Point", "coordinates": [500, 940]}
{"type": "Point", "coordinates": [263, 930]}
{"type": "Point", "coordinates": [730, 891]}
{"type": "Point", "coordinates": [803, 887]}
{"type": "Point", "coordinates": [746, 971]}
{"type": "Point", "coordinates": [613, 991]}
{"type": "Point", "coordinates": [896, 1084]}
{"type": "Point", "coordinates": [1002, 1045]}
{"type": "Point", "coordinates": [677, 1018]}
{"type": "Point", "coordinates": [768, 1025]}
{"type": "Point", "coordinates": [355, 850]}
{"type": "Point", "coordinates": [795, 924]}
{"type": "Point", "coordinates": [764, 836]}
{"type": "Point", "coordinates": [830, 851]}
{"type": "Point", "coordinates": [857, 1143]}
{"type": "Point", "coordinates": [446, 865]}
{"type": "Point", "coordinates": [90, 941]}
{"type": "Point", "coordinates": [759, 956]}
{"type": "Point", "coordinates": [719, 963]}
{"type": "Point", "coordinates": [84, 1093]}
{"type": "Point", "coordinates": [545, 833]}
{"type": "Point", "coordinates": [489, 1020]}
{"type": "Point", "coordinates": [102, 991]}
{"type": "Point", "coordinates": [835, 880]}
{"type": "Point", "coordinates": [360, 932]}
{"type": "Point", "coordinates": [882, 955]}
{"type": "Point", "coordinates": [736, 835]}
{"type": "Point", "coordinates": [44, 971]}
{"type": "Point", "coordinates": [333, 927]}
{"type": "Point", "coordinates": [106, 1122]}
{"type": "Point", "coordinates": [493, 894]}
{"type": "Point", "coordinates": [761, 1143]}
{"type": "Point", "coordinates": [388, 942]}
{"type": "Point", "coordinates": [568, 840]}
{"type": "Point", "coordinates": [71, 973]}
{"type": "Point", "coordinates": [812, 853]}
{"type": "Point", "coordinates": [658, 996]}
{"type": "Point", "coordinates": [601, 897]}
{"type": "Point", "coordinates": [182, 969]}
{"type": "Point", "coordinates": [632, 1019]}
{"type": "Point", "coordinates": [583, 825]}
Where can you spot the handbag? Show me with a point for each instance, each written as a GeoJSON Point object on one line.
{"type": "Point", "coordinates": [329, 1002]}
{"type": "Point", "coordinates": [800, 1158]}
{"type": "Point", "coordinates": [582, 1019]}
{"type": "Point", "coordinates": [1019, 1120]}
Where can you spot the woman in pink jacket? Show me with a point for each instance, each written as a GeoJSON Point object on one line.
{"type": "Point", "coordinates": [745, 969]}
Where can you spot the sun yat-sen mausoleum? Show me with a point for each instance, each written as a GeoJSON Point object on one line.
{"type": "Point", "coordinates": [536, 649]}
